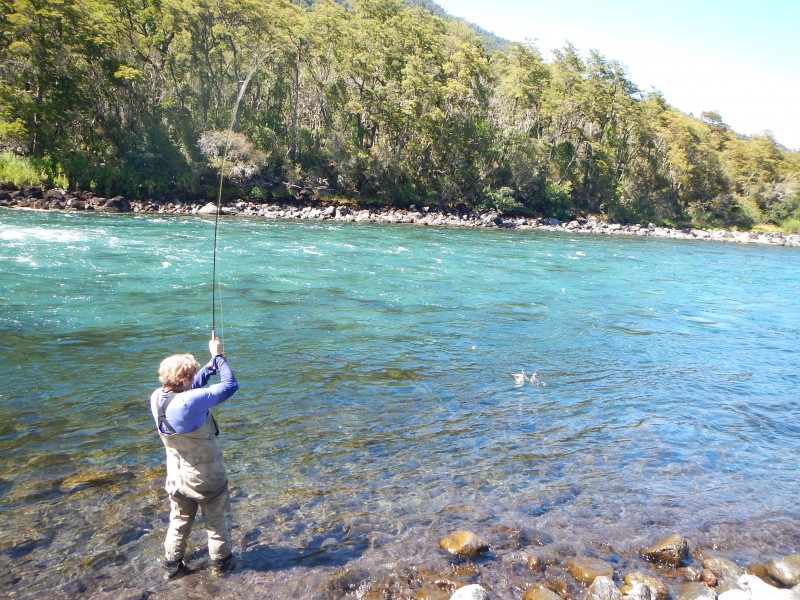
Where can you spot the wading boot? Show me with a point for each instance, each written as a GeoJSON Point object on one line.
{"type": "Point", "coordinates": [173, 568]}
{"type": "Point", "coordinates": [222, 566]}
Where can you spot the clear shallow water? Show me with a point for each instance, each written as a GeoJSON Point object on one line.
{"type": "Point", "coordinates": [377, 408]}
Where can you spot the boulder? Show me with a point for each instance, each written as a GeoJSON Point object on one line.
{"type": "Point", "coordinates": [602, 588]}
{"type": "Point", "coordinates": [736, 594]}
{"type": "Point", "coordinates": [586, 569]}
{"type": "Point", "coordinates": [785, 570]}
{"type": "Point", "coordinates": [116, 204]}
{"type": "Point", "coordinates": [761, 590]}
{"type": "Point", "coordinates": [55, 195]}
{"type": "Point", "coordinates": [637, 592]}
{"type": "Point", "coordinates": [210, 208]}
{"type": "Point", "coordinates": [491, 217]}
{"type": "Point", "coordinates": [672, 551]}
{"type": "Point", "coordinates": [657, 588]}
{"type": "Point", "coordinates": [470, 592]}
{"type": "Point", "coordinates": [75, 204]}
{"type": "Point", "coordinates": [464, 544]}
{"type": "Point", "coordinates": [727, 572]}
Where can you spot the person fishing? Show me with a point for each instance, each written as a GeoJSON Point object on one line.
{"type": "Point", "coordinates": [195, 473]}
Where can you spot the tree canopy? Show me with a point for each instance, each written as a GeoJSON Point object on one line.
{"type": "Point", "coordinates": [383, 99]}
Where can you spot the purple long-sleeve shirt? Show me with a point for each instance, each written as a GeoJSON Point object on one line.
{"type": "Point", "coordinates": [188, 410]}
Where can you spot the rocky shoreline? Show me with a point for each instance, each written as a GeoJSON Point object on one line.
{"type": "Point", "coordinates": [694, 576]}
{"type": "Point", "coordinates": [311, 208]}
{"type": "Point", "coordinates": [465, 565]}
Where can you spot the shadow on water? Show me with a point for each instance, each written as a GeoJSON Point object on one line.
{"type": "Point", "coordinates": [328, 552]}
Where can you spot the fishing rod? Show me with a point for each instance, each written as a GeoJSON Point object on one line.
{"type": "Point", "coordinates": [214, 282]}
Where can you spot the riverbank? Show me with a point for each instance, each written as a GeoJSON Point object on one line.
{"type": "Point", "coordinates": [284, 551]}
{"type": "Point", "coordinates": [57, 199]}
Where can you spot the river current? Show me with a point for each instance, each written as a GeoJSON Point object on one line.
{"type": "Point", "coordinates": [570, 394]}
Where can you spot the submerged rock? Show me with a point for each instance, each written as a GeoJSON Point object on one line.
{"type": "Point", "coordinates": [431, 592]}
{"type": "Point", "coordinates": [691, 573]}
{"type": "Point", "coordinates": [672, 551]}
{"type": "Point", "coordinates": [437, 587]}
{"type": "Point", "coordinates": [540, 593]}
{"type": "Point", "coordinates": [541, 560]}
{"type": "Point", "coordinates": [586, 569]}
{"type": "Point", "coordinates": [696, 591]}
{"type": "Point", "coordinates": [464, 544]}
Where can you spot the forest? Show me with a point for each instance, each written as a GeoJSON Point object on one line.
{"type": "Point", "coordinates": [379, 101]}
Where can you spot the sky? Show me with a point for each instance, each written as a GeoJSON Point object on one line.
{"type": "Point", "coordinates": [739, 58]}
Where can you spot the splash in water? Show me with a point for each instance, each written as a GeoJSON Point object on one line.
{"type": "Point", "coordinates": [521, 378]}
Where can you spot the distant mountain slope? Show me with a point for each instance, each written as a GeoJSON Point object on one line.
{"type": "Point", "coordinates": [490, 40]}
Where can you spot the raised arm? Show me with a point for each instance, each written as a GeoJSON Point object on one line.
{"type": "Point", "coordinates": [200, 397]}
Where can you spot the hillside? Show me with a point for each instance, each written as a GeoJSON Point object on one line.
{"type": "Point", "coordinates": [374, 101]}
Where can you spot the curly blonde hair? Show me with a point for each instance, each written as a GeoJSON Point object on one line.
{"type": "Point", "coordinates": [174, 369]}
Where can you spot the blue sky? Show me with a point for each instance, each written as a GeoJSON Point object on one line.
{"type": "Point", "coordinates": [741, 59]}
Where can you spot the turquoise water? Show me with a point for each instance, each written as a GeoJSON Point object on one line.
{"type": "Point", "coordinates": [379, 407]}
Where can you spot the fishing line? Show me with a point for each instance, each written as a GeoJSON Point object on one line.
{"type": "Point", "coordinates": [216, 285]}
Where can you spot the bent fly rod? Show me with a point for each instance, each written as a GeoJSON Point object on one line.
{"type": "Point", "coordinates": [214, 282]}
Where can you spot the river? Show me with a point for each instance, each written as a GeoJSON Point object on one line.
{"type": "Point", "coordinates": [564, 393]}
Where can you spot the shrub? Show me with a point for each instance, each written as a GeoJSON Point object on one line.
{"type": "Point", "coordinates": [723, 211]}
{"type": "Point", "coordinates": [501, 200]}
{"type": "Point", "coordinates": [557, 200]}
{"type": "Point", "coordinates": [19, 170]}
{"type": "Point", "coordinates": [242, 160]}
{"type": "Point", "coordinates": [791, 225]}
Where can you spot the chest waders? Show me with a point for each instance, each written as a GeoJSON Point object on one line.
{"type": "Point", "coordinates": [195, 477]}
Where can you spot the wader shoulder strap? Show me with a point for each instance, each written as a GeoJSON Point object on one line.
{"type": "Point", "coordinates": [163, 403]}
{"type": "Point", "coordinates": [214, 421]}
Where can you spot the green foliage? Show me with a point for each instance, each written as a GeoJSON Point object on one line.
{"type": "Point", "coordinates": [783, 208]}
{"type": "Point", "coordinates": [722, 211]}
{"type": "Point", "coordinates": [13, 135]}
{"type": "Point", "coordinates": [382, 98]}
{"type": "Point", "coordinates": [232, 153]}
{"type": "Point", "coordinates": [18, 170]}
{"type": "Point", "coordinates": [792, 225]}
{"type": "Point", "coordinates": [557, 200]}
{"type": "Point", "coordinates": [501, 200]}
{"type": "Point", "coordinates": [258, 193]}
